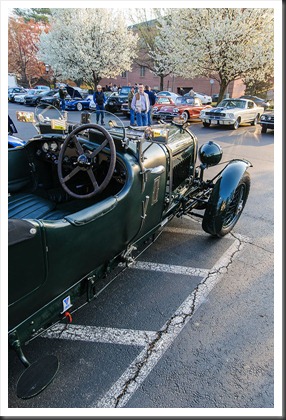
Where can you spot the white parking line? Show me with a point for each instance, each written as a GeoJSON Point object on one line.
{"type": "Point", "coordinates": [122, 390]}
{"type": "Point", "coordinates": [155, 343]}
{"type": "Point", "coordinates": [100, 334]}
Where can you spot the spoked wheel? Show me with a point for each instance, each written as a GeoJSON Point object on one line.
{"type": "Point", "coordinates": [185, 116]}
{"type": "Point", "coordinates": [255, 121]}
{"type": "Point", "coordinates": [221, 222]}
{"type": "Point", "coordinates": [236, 124]}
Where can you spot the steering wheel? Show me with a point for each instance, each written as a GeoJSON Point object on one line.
{"type": "Point", "coordinates": [86, 161]}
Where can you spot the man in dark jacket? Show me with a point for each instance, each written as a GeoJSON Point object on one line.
{"type": "Point", "coordinates": [99, 100]}
{"type": "Point", "coordinates": [152, 100]}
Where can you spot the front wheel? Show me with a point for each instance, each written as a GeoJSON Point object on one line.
{"type": "Point", "coordinates": [263, 129]}
{"type": "Point", "coordinates": [236, 124]}
{"type": "Point", "coordinates": [222, 221]}
{"type": "Point", "coordinates": [206, 124]}
{"type": "Point", "coordinates": [185, 116]}
{"type": "Point", "coordinates": [79, 106]}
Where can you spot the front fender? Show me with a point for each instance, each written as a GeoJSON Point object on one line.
{"type": "Point", "coordinates": [222, 194]}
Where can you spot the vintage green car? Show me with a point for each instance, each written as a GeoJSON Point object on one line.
{"type": "Point", "coordinates": [83, 197]}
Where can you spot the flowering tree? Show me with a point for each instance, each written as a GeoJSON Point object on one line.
{"type": "Point", "coordinates": [88, 44]}
{"type": "Point", "coordinates": [151, 53]}
{"type": "Point", "coordinates": [22, 49]}
{"type": "Point", "coordinates": [219, 43]}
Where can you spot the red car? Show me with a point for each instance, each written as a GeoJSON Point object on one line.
{"type": "Point", "coordinates": [161, 101]}
{"type": "Point", "coordinates": [187, 107]}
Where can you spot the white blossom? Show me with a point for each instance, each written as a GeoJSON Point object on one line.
{"type": "Point", "coordinates": [88, 44]}
{"type": "Point", "coordinates": [224, 44]}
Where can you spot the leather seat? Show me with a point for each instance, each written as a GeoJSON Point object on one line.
{"type": "Point", "coordinates": [28, 206]}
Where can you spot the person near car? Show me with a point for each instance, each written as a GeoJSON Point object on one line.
{"type": "Point", "coordinates": [152, 100]}
{"type": "Point", "coordinates": [192, 92]}
{"type": "Point", "coordinates": [99, 100]}
{"type": "Point", "coordinates": [130, 97]}
{"type": "Point", "coordinates": [141, 105]}
{"type": "Point", "coordinates": [62, 95]}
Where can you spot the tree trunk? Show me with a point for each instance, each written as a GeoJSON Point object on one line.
{"type": "Point", "coordinates": [223, 85]}
{"type": "Point", "coordinates": [96, 79]}
{"type": "Point", "coordinates": [161, 83]}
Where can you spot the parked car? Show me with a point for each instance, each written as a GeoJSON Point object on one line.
{"type": "Point", "coordinates": [206, 99]}
{"type": "Point", "coordinates": [42, 87]}
{"type": "Point", "coordinates": [12, 140]}
{"type": "Point", "coordinates": [161, 101]}
{"type": "Point", "coordinates": [20, 97]}
{"type": "Point", "coordinates": [77, 104]}
{"type": "Point", "coordinates": [267, 121]}
{"type": "Point", "coordinates": [95, 194]}
{"type": "Point", "coordinates": [112, 103]}
{"type": "Point", "coordinates": [14, 91]}
{"type": "Point", "coordinates": [257, 101]}
{"type": "Point", "coordinates": [189, 108]}
{"type": "Point", "coordinates": [232, 112]}
{"type": "Point", "coordinates": [51, 99]}
{"type": "Point", "coordinates": [33, 99]}
{"type": "Point", "coordinates": [173, 95]}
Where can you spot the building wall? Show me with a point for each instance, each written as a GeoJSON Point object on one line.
{"type": "Point", "coordinates": [173, 84]}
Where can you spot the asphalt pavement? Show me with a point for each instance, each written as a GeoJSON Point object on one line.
{"type": "Point", "coordinates": [189, 328]}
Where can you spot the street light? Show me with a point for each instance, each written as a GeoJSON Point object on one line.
{"type": "Point", "coordinates": [47, 66]}
{"type": "Point", "coordinates": [211, 82]}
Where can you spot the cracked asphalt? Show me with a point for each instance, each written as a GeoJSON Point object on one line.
{"type": "Point", "coordinates": [158, 338]}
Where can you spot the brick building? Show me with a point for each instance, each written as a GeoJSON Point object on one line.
{"type": "Point", "coordinates": [141, 74]}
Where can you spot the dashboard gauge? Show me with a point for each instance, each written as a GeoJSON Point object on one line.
{"type": "Point", "coordinates": [45, 147]}
{"type": "Point", "coordinates": [53, 146]}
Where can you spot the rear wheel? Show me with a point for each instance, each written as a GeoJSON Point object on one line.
{"type": "Point", "coordinates": [255, 121]}
{"type": "Point", "coordinates": [79, 106]}
{"type": "Point", "coordinates": [206, 124]}
{"type": "Point", "coordinates": [222, 222]}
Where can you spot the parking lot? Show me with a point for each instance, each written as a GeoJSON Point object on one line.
{"type": "Point", "coordinates": [188, 325]}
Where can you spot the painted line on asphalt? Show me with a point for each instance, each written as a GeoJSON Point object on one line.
{"type": "Point", "coordinates": [123, 389]}
{"type": "Point", "coordinates": [172, 269]}
{"type": "Point", "coordinates": [100, 334]}
{"type": "Point", "coordinates": [155, 343]}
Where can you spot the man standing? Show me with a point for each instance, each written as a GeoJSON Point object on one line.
{"type": "Point", "coordinates": [130, 97]}
{"type": "Point", "coordinates": [141, 105]}
{"type": "Point", "coordinates": [152, 100]}
{"type": "Point", "coordinates": [62, 95]}
{"type": "Point", "coordinates": [99, 100]}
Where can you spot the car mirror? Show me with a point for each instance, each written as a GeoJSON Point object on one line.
{"type": "Point", "coordinates": [25, 116]}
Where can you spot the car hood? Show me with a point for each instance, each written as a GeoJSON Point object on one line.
{"type": "Point", "coordinates": [74, 93]}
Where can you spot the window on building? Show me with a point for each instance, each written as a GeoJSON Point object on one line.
{"type": "Point", "coordinates": [124, 74]}
{"type": "Point", "coordinates": [142, 71]}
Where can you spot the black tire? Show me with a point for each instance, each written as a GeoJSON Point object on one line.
{"type": "Point", "coordinates": [236, 124]}
{"type": "Point", "coordinates": [206, 124]}
{"type": "Point", "coordinates": [263, 129]}
{"type": "Point", "coordinates": [221, 223]}
{"type": "Point", "coordinates": [79, 106]}
{"type": "Point", "coordinates": [255, 121]}
{"type": "Point", "coordinates": [185, 116]}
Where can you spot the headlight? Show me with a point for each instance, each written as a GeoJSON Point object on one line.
{"type": "Point", "coordinates": [230, 115]}
{"type": "Point", "coordinates": [263, 118]}
{"type": "Point", "coordinates": [155, 109]}
{"type": "Point", "coordinates": [175, 110]}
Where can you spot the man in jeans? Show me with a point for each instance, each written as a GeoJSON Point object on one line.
{"type": "Point", "coordinates": [141, 105]}
{"type": "Point", "coordinates": [99, 100]}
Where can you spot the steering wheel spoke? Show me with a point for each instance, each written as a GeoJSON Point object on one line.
{"type": "Point", "coordinates": [92, 178]}
{"type": "Point", "coordinates": [71, 174]}
{"type": "Point", "coordinates": [99, 149]}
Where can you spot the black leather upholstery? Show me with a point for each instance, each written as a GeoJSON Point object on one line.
{"type": "Point", "coordinates": [28, 206]}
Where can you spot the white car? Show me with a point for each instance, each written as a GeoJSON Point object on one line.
{"type": "Point", "coordinates": [206, 99]}
{"type": "Point", "coordinates": [173, 95]}
{"type": "Point", "coordinates": [20, 97]}
{"type": "Point", "coordinates": [232, 112]}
